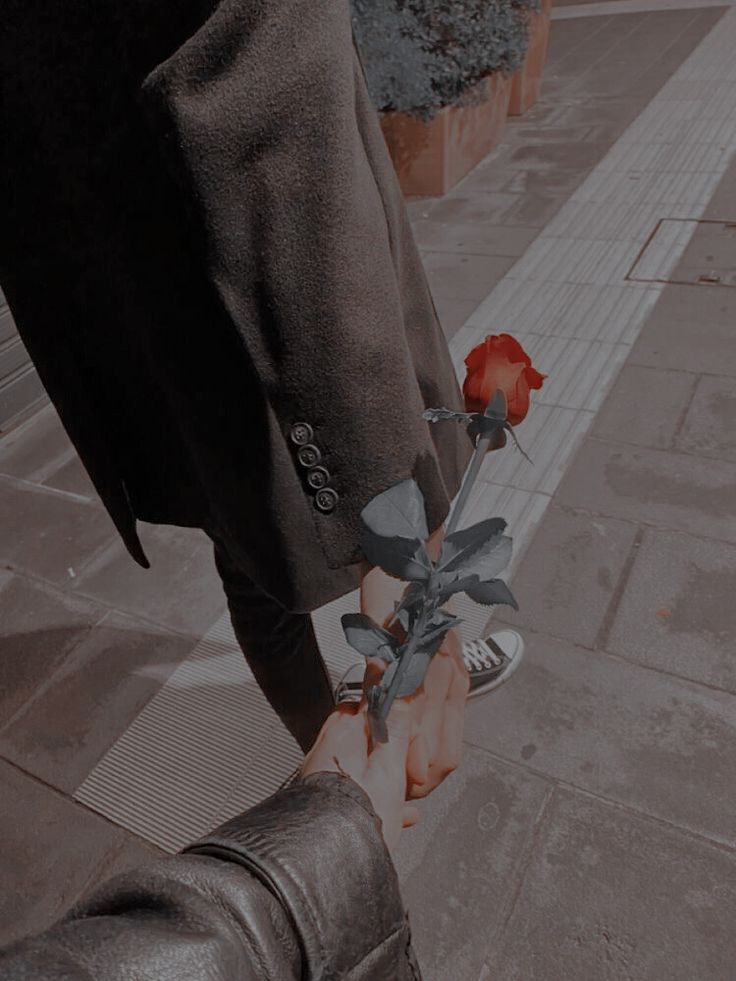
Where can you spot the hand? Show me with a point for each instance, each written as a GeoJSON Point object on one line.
{"type": "Point", "coordinates": [437, 717]}
{"type": "Point", "coordinates": [343, 747]}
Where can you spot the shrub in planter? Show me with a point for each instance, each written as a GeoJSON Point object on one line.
{"type": "Point", "coordinates": [439, 71]}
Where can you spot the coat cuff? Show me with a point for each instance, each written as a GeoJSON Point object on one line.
{"type": "Point", "coordinates": [317, 845]}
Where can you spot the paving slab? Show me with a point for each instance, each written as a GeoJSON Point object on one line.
{"type": "Point", "coordinates": [459, 865]}
{"type": "Point", "coordinates": [51, 532]}
{"type": "Point", "coordinates": [50, 853]}
{"type": "Point", "coordinates": [598, 43]}
{"type": "Point", "coordinates": [475, 239]}
{"type": "Point", "coordinates": [695, 304]}
{"type": "Point", "coordinates": [609, 896]}
{"type": "Point", "coordinates": [39, 627]}
{"type": "Point", "coordinates": [723, 203]}
{"type": "Point", "coordinates": [677, 613]}
{"type": "Point", "coordinates": [134, 853]}
{"type": "Point", "coordinates": [568, 576]}
{"type": "Point", "coordinates": [578, 371]}
{"type": "Point", "coordinates": [646, 406]}
{"type": "Point", "coordinates": [36, 447]}
{"type": "Point", "coordinates": [181, 590]}
{"type": "Point", "coordinates": [566, 37]}
{"type": "Point", "coordinates": [73, 478]}
{"type": "Point", "coordinates": [535, 208]}
{"type": "Point", "coordinates": [656, 487]}
{"type": "Point", "coordinates": [709, 428]}
{"type": "Point", "coordinates": [461, 276]}
{"type": "Point", "coordinates": [91, 699]}
{"type": "Point", "coordinates": [453, 313]}
{"type": "Point", "coordinates": [662, 746]}
{"type": "Point", "coordinates": [554, 157]}
{"type": "Point", "coordinates": [549, 435]}
{"type": "Point", "coordinates": [694, 344]}
{"type": "Point", "coordinates": [463, 206]}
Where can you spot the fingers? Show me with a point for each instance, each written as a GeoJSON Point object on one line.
{"type": "Point", "coordinates": [399, 727]}
{"type": "Point", "coordinates": [409, 816]}
{"type": "Point", "coordinates": [374, 671]}
{"type": "Point", "coordinates": [341, 743]}
{"type": "Point", "coordinates": [417, 762]}
{"type": "Point", "coordinates": [442, 722]}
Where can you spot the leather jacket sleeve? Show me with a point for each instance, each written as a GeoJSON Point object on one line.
{"type": "Point", "coordinates": [299, 887]}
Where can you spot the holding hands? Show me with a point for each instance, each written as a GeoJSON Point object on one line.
{"type": "Point", "coordinates": [425, 741]}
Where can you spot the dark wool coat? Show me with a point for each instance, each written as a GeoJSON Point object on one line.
{"type": "Point", "coordinates": [209, 259]}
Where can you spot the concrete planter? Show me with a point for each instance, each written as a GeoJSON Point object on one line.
{"type": "Point", "coordinates": [431, 157]}
{"type": "Point", "coordinates": [526, 82]}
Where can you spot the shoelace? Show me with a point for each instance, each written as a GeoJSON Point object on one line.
{"type": "Point", "coordinates": [478, 656]}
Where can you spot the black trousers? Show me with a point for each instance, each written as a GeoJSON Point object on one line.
{"type": "Point", "coordinates": [281, 650]}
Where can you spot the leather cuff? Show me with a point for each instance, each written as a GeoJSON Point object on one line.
{"type": "Point", "coordinates": [317, 845]}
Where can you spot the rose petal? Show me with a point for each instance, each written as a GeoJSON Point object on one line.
{"type": "Point", "coordinates": [534, 378]}
{"type": "Point", "coordinates": [513, 350]}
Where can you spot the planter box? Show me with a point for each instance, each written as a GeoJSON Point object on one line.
{"type": "Point", "coordinates": [525, 83]}
{"type": "Point", "coordinates": [431, 157]}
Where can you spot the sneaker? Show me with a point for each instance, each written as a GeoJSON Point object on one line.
{"type": "Point", "coordinates": [350, 686]}
{"type": "Point", "coordinates": [492, 661]}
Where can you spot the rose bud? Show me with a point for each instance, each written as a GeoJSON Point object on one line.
{"type": "Point", "coordinates": [500, 362]}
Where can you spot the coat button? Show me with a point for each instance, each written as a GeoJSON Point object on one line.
{"type": "Point", "coordinates": [326, 499]}
{"type": "Point", "coordinates": [317, 478]}
{"type": "Point", "coordinates": [301, 433]}
{"type": "Point", "coordinates": [309, 455]}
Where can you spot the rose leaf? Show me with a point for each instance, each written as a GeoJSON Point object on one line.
{"type": "Point", "coordinates": [480, 550]}
{"type": "Point", "coordinates": [368, 638]}
{"type": "Point", "coordinates": [492, 593]}
{"type": "Point", "coordinates": [404, 558]}
{"type": "Point", "coordinates": [398, 512]}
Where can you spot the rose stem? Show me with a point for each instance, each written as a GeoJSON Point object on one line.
{"type": "Point", "coordinates": [471, 475]}
{"type": "Point", "coordinates": [469, 478]}
{"type": "Point", "coordinates": [411, 646]}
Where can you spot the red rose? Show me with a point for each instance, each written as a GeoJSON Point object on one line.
{"type": "Point", "coordinates": [500, 362]}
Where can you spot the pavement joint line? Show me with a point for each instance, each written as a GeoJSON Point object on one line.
{"type": "Point", "coordinates": [645, 816]}
{"type": "Point", "coordinates": [695, 684]}
{"type": "Point", "coordinates": [695, 381]}
{"type": "Point", "coordinates": [619, 589]}
{"type": "Point", "coordinates": [50, 788]}
{"type": "Point", "coordinates": [240, 753]}
{"type": "Point", "coordinates": [688, 454]}
{"type": "Point", "coordinates": [618, 7]}
{"type": "Point", "coordinates": [671, 529]}
{"type": "Point", "coordinates": [667, 674]}
{"type": "Point", "coordinates": [52, 467]}
{"type": "Point", "coordinates": [22, 484]}
{"type": "Point", "coordinates": [106, 606]}
{"type": "Point", "coordinates": [521, 870]}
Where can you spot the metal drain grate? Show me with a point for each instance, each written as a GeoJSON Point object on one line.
{"type": "Point", "coordinates": [688, 253]}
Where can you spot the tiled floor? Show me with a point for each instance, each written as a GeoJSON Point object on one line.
{"type": "Point", "coordinates": [588, 833]}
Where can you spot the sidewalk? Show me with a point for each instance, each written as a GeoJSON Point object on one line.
{"type": "Point", "coordinates": [589, 833]}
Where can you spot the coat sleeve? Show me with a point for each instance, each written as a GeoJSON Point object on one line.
{"type": "Point", "coordinates": [299, 887]}
{"type": "Point", "coordinates": [264, 119]}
